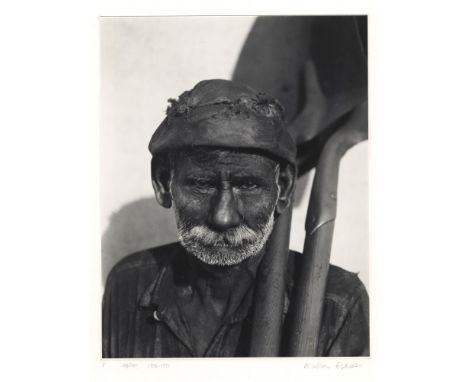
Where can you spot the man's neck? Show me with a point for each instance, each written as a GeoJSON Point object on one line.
{"type": "Point", "coordinates": [213, 294]}
{"type": "Point", "coordinates": [226, 284]}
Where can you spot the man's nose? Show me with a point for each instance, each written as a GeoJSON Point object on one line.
{"type": "Point", "coordinates": [224, 211]}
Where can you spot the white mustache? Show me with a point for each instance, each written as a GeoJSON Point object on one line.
{"type": "Point", "coordinates": [232, 238]}
{"type": "Point", "coordinates": [223, 248]}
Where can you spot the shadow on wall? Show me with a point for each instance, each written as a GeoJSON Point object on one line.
{"type": "Point", "coordinates": [136, 226]}
{"type": "Point", "coordinates": [144, 224]}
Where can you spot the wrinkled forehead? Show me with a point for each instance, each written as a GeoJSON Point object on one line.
{"type": "Point", "coordinates": [227, 159]}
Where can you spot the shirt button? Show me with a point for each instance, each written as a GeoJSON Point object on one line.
{"type": "Point", "coordinates": [155, 316]}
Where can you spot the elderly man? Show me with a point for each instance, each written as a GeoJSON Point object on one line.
{"type": "Point", "coordinates": [224, 161]}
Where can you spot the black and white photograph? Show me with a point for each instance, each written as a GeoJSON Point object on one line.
{"type": "Point", "coordinates": [234, 209]}
{"type": "Point", "coordinates": [233, 191]}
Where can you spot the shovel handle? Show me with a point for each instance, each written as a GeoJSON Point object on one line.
{"type": "Point", "coordinates": [307, 303]}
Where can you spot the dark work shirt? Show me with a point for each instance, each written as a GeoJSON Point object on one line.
{"type": "Point", "coordinates": [141, 316]}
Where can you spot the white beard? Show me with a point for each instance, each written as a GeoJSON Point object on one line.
{"type": "Point", "coordinates": [223, 248]}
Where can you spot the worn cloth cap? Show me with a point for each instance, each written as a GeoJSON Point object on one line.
{"type": "Point", "coordinates": [221, 113]}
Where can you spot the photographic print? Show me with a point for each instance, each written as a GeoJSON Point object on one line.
{"type": "Point", "coordinates": [234, 209]}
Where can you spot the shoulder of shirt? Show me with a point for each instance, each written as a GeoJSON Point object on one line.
{"type": "Point", "coordinates": [148, 260]}
{"type": "Point", "coordinates": [343, 287]}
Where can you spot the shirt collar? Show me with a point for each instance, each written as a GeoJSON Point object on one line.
{"type": "Point", "coordinates": [160, 294]}
{"type": "Point", "coordinates": [161, 291]}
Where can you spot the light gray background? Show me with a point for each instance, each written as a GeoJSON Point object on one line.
{"type": "Point", "coordinates": [145, 61]}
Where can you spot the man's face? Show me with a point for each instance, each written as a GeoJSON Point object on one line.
{"type": "Point", "coordinates": [224, 203]}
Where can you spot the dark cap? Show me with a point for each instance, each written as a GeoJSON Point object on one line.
{"type": "Point", "coordinates": [221, 113]}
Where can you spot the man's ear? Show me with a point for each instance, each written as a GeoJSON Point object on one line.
{"type": "Point", "coordinates": [161, 180]}
{"type": "Point", "coordinates": [286, 182]}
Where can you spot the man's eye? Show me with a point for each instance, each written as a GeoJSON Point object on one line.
{"type": "Point", "coordinates": [248, 186]}
{"type": "Point", "coordinates": [200, 183]}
